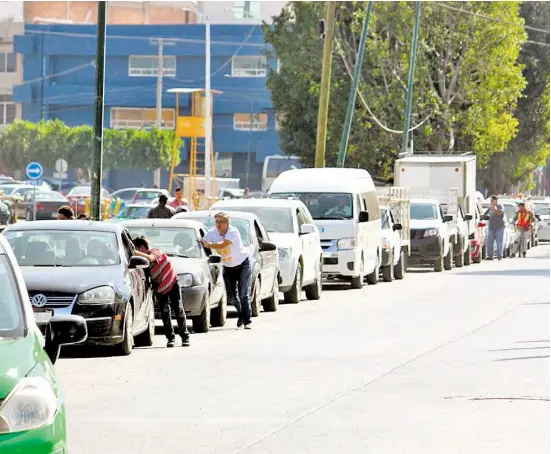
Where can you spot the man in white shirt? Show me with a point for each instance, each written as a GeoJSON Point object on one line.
{"type": "Point", "coordinates": [226, 240]}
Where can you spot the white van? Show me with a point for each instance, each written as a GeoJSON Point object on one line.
{"type": "Point", "coordinates": [345, 207]}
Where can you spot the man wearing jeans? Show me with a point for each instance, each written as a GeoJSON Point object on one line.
{"type": "Point", "coordinates": [496, 228]}
{"type": "Point", "coordinates": [226, 240]}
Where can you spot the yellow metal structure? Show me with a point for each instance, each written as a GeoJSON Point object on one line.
{"type": "Point", "coordinates": [193, 128]}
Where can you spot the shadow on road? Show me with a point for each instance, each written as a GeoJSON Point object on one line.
{"type": "Point", "coordinates": [529, 272]}
{"type": "Point", "coordinates": [529, 342]}
{"type": "Point", "coordinates": [518, 348]}
{"type": "Point", "coordinates": [522, 358]}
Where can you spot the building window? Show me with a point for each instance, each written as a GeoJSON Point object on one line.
{"type": "Point", "coordinates": [247, 10]}
{"type": "Point", "coordinates": [8, 62]}
{"type": "Point", "coordinates": [250, 122]}
{"type": "Point", "coordinates": [146, 65]}
{"type": "Point", "coordinates": [7, 110]}
{"type": "Point", "coordinates": [137, 118]}
{"type": "Point", "coordinates": [248, 67]}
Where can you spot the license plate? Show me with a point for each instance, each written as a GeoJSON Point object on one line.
{"type": "Point", "coordinates": [330, 254]}
{"type": "Point", "coordinates": [43, 317]}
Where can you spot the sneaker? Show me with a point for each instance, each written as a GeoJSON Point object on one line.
{"type": "Point", "coordinates": [524, 255]}
{"type": "Point", "coordinates": [170, 344]}
{"type": "Point", "coordinates": [239, 322]}
{"type": "Point", "coordinates": [185, 342]}
{"type": "Point", "coordinates": [248, 326]}
{"type": "Point", "coordinates": [499, 258]}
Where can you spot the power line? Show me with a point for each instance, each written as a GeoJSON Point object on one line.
{"type": "Point", "coordinates": [483, 16]}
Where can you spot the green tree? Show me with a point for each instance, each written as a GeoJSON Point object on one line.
{"type": "Point", "coordinates": [467, 80]}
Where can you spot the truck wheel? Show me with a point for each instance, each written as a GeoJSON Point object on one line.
{"type": "Point", "coordinates": [293, 295]}
{"type": "Point", "coordinates": [388, 271]}
{"type": "Point", "coordinates": [448, 259]}
{"type": "Point", "coordinates": [467, 259]}
{"type": "Point", "coordinates": [373, 278]}
{"type": "Point", "coordinates": [458, 259]}
{"type": "Point", "coordinates": [400, 267]}
{"type": "Point", "coordinates": [439, 264]}
{"type": "Point", "coordinates": [480, 255]}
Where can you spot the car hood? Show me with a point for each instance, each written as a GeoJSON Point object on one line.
{"type": "Point", "coordinates": [336, 229]}
{"type": "Point", "coordinates": [424, 223]}
{"type": "Point", "coordinates": [183, 265]}
{"type": "Point", "coordinates": [76, 279]}
{"type": "Point", "coordinates": [18, 358]}
{"type": "Point", "coordinates": [283, 239]}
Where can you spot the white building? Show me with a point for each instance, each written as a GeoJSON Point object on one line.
{"type": "Point", "coordinates": [241, 12]}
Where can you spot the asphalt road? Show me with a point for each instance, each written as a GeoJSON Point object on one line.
{"type": "Point", "coordinates": [455, 362]}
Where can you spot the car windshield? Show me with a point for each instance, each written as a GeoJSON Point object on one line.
{"type": "Point", "coordinates": [423, 211]}
{"type": "Point", "coordinates": [542, 210]}
{"type": "Point", "coordinates": [240, 224]}
{"type": "Point", "coordinates": [324, 205]}
{"type": "Point", "coordinates": [274, 219]}
{"type": "Point", "coordinates": [147, 195]}
{"type": "Point", "coordinates": [11, 311]}
{"type": "Point", "coordinates": [510, 211]}
{"type": "Point", "coordinates": [385, 219]}
{"type": "Point", "coordinates": [50, 196]}
{"type": "Point", "coordinates": [11, 189]}
{"type": "Point", "coordinates": [70, 248]}
{"type": "Point", "coordinates": [134, 212]}
{"type": "Point", "coordinates": [180, 242]}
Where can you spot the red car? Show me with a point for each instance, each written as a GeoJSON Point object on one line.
{"type": "Point", "coordinates": [478, 243]}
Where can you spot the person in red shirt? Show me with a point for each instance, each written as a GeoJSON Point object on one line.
{"type": "Point", "coordinates": [179, 201]}
{"type": "Point", "coordinates": [166, 287]}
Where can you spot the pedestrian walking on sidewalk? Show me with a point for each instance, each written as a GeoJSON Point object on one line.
{"type": "Point", "coordinates": [227, 241]}
{"type": "Point", "coordinates": [167, 289]}
{"type": "Point", "coordinates": [523, 224]}
{"type": "Point", "coordinates": [496, 228]}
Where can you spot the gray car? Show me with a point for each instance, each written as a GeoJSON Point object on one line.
{"type": "Point", "coordinates": [262, 254]}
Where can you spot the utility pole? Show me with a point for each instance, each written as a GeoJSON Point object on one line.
{"type": "Point", "coordinates": [97, 157]}
{"type": "Point", "coordinates": [407, 116]}
{"type": "Point", "coordinates": [252, 118]}
{"type": "Point", "coordinates": [321, 132]}
{"type": "Point", "coordinates": [354, 88]}
{"type": "Point", "coordinates": [208, 113]}
{"type": "Point", "coordinates": [159, 99]}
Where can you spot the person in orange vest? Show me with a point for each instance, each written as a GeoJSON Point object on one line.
{"type": "Point", "coordinates": [523, 224]}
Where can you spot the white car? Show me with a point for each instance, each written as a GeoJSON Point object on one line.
{"type": "Point", "coordinates": [541, 209]}
{"type": "Point", "coordinates": [291, 227]}
{"type": "Point", "coordinates": [391, 246]}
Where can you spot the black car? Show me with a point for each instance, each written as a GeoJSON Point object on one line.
{"type": "Point", "coordinates": [199, 271]}
{"type": "Point", "coordinates": [85, 268]}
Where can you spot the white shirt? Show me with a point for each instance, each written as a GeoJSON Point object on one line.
{"type": "Point", "coordinates": [235, 253]}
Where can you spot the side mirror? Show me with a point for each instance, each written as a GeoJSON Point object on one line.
{"type": "Point", "coordinates": [481, 224]}
{"type": "Point", "coordinates": [397, 227]}
{"type": "Point", "coordinates": [215, 259]}
{"type": "Point", "coordinates": [305, 229]}
{"type": "Point", "coordinates": [363, 217]}
{"type": "Point", "coordinates": [448, 218]}
{"type": "Point", "coordinates": [468, 217]}
{"type": "Point", "coordinates": [64, 330]}
{"type": "Point", "coordinates": [485, 218]}
{"type": "Point", "coordinates": [138, 262]}
{"type": "Point", "coordinates": [266, 246]}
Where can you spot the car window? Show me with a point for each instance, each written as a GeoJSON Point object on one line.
{"type": "Point", "coordinates": [423, 211]}
{"type": "Point", "coordinates": [70, 248]}
{"type": "Point", "coordinates": [274, 219]}
{"type": "Point", "coordinates": [385, 219]}
{"type": "Point", "coordinates": [11, 310]}
{"type": "Point", "coordinates": [148, 195]}
{"type": "Point", "coordinates": [300, 219]}
{"type": "Point", "coordinates": [124, 194]}
{"type": "Point", "coordinates": [126, 240]}
{"type": "Point", "coordinates": [135, 212]}
{"type": "Point", "coordinates": [260, 235]}
{"type": "Point", "coordinates": [322, 205]}
{"type": "Point", "coordinates": [179, 242]}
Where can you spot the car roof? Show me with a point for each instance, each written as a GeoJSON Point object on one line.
{"type": "Point", "coordinates": [275, 203]}
{"type": "Point", "coordinates": [140, 205]}
{"type": "Point", "coordinates": [427, 201]}
{"type": "Point", "coordinates": [210, 213]}
{"type": "Point", "coordinates": [326, 179]}
{"type": "Point", "coordinates": [3, 244]}
{"type": "Point", "coordinates": [93, 226]}
{"type": "Point", "coordinates": [142, 189]}
{"type": "Point", "coordinates": [163, 223]}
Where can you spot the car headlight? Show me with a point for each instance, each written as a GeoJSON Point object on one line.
{"type": "Point", "coordinates": [185, 280]}
{"type": "Point", "coordinates": [386, 244]}
{"type": "Point", "coordinates": [430, 232]}
{"type": "Point", "coordinates": [284, 253]}
{"type": "Point", "coordinates": [30, 405]}
{"type": "Point", "coordinates": [346, 243]}
{"type": "Point", "coordinates": [98, 295]}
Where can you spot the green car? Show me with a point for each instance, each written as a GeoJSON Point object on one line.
{"type": "Point", "coordinates": [32, 412]}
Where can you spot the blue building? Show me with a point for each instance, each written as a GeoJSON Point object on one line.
{"type": "Point", "coordinates": [59, 72]}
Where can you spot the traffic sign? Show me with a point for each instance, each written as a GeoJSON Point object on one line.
{"type": "Point", "coordinates": [34, 170]}
{"type": "Point", "coordinates": [61, 166]}
{"type": "Point", "coordinates": [60, 175]}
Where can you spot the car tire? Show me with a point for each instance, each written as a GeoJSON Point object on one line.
{"type": "Point", "coordinates": [448, 259]}
{"type": "Point", "coordinates": [373, 278]}
{"type": "Point", "coordinates": [201, 323]}
{"type": "Point", "coordinates": [293, 295]}
{"type": "Point", "coordinates": [400, 267]}
{"type": "Point", "coordinates": [388, 271]}
{"type": "Point", "coordinates": [255, 298]}
{"type": "Point", "coordinates": [313, 291]}
{"type": "Point", "coordinates": [271, 304]}
{"type": "Point", "coordinates": [458, 259]}
{"type": "Point", "coordinates": [147, 338]}
{"type": "Point", "coordinates": [439, 264]}
{"type": "Point", "coordinates": [219, 314]}
{"type": "Point", "coordinates": [479, 256]}
{"type": "Point", "coordinates": [467, 260]}
{"type": "Point", "coordinates": [127, 344]}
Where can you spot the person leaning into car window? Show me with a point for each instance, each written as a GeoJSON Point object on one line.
{"type": "Point", "coordinates": [226, 239]}
{"type": "Point", "coordinates": [83, 217]}
{"type": "Point", "coordinates": [65, 213]}
{"type": "Point", "coordinates": [167, 288]}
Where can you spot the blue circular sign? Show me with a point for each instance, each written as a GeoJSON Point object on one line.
{"type": "Point", "coordinates": [34, 170]}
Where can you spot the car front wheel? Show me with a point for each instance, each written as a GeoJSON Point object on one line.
{"type": "Point", "coordinates": [125, 347]}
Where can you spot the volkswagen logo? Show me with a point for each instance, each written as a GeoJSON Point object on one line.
{"type": "Point", "coordinates": [39, 300]}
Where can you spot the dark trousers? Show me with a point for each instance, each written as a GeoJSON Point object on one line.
{"type": "Point", "coordinates": [238, 283]}
{"type": "Point", "coordinates": [173, 299]}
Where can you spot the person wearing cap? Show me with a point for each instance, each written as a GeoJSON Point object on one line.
{"type": "Point", "coordinates": [523, 223]}
{"type": "Point", "coordinates": [161, 211]}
